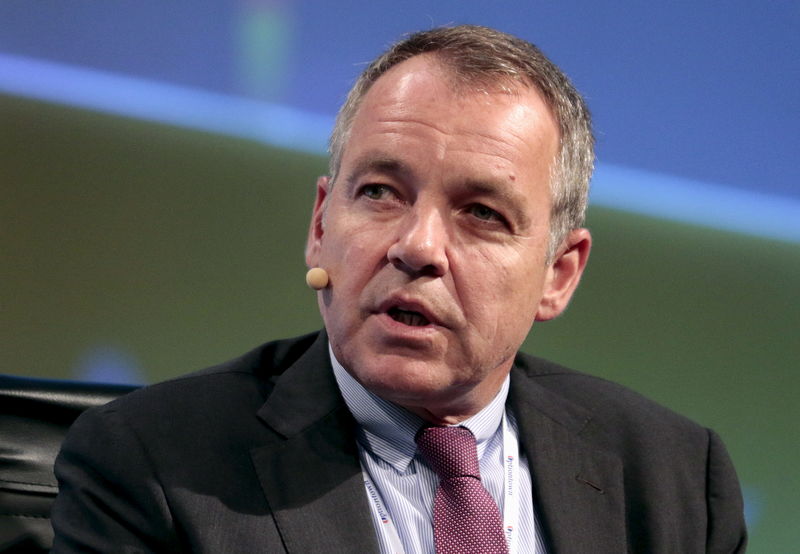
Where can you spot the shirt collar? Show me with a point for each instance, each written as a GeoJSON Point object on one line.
{"type": "Point", "coordinates": [387, 431]}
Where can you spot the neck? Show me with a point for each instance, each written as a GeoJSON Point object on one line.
{"type": "Point", "coordinates": [447, 418]}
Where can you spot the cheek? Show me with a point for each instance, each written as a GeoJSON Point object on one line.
{"type": "Point", "coordinates": [344, 245]}
{"type": "Point", "coordinates": [501, 282]}
{"type": "Point", "coordinates": [352, 255]}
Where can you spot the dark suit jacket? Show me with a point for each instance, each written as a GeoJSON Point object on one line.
{"type": "Point", "coordinates": [259, 455]}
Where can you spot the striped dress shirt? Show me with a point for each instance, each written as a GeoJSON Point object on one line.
{"type": "Point", "coordinates": [406, 486]}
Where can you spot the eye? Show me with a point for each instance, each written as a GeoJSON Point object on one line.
{"type": "Point", "coordinates": [375, 192]}
{"type": "Point", "coordinates": [484, 213]}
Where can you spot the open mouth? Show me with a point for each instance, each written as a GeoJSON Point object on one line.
{"type": "Point", "coordinates": [415, 319]}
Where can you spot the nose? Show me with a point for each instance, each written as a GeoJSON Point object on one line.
{"type": "Point", "coordinates": [421, 247]}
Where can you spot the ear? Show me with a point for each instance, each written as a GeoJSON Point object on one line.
{"type": "Point", "coordinates": [564, 274]}
{"type": "Point", "coordinates": [316, 228]}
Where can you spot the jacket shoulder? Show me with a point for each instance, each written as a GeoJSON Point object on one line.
{"type": "Point", "coordinates": [250, 376]}
{"type": "Point", "coordinates": [165, 464]}
{"type": "Point", "coordinates": [678, 484]}
{"type": "Point", "coordinates": [614, 408]}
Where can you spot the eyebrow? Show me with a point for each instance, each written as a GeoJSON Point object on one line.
{"type": "Point", "coordinates": [379, 163]}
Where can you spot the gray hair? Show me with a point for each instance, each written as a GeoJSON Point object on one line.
{"type": "Point", "coordinates": [481, 57]}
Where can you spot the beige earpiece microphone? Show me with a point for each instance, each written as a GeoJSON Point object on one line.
{"type": "Point", "coordinates": [317, 278]}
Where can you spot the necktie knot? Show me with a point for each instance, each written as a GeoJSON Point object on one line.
{"type": "Point", "coordinates": [450, 451]}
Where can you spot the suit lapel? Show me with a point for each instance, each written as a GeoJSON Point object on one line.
{"type": "Point", "coordinates": [311, 474]}
{"type": "Point", "coordinates": [577, 488]}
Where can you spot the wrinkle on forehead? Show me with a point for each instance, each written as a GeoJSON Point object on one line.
{"type": "Point", "coordinates": [506, 146]}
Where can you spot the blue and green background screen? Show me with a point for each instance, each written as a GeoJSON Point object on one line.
{"type": "Point", "coordinates": [157, 168]}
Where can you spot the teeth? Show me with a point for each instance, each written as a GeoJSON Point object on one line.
{"type": "Point", "coordinates": [408, 318]}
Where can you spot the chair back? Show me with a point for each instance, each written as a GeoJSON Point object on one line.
{"type": "Point", "coordinates": [34, 417]}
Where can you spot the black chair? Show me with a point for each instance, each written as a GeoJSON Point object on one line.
{"type": "Point", "coordinates": [34, 417]}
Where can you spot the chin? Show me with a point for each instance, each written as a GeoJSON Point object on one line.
{"type": "Point", "coordinates": [406, 381]}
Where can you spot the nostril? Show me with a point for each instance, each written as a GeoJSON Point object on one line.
{"type": "Point", "coordinates": [431, 270]}
{"type": "Point", "coordinates": [423, 258]}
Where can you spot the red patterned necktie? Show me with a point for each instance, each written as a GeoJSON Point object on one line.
{"type": "Point", "coordinates": [465, 516]}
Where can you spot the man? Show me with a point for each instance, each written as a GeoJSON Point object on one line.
{"type": "Point", "coordinates": [450, 222]}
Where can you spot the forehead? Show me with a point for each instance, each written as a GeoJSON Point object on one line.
{"type": "Point", "coordinates": [422, 90]}
{"type": "Point", "coordinates": [417, 110]}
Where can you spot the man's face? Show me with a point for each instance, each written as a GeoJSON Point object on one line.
{"type": "Point", "coordinates": [435, 237]}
